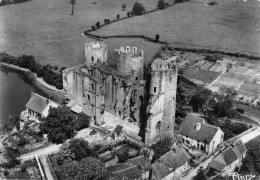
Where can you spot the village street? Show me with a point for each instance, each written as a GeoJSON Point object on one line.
{"type": "Point", "coordinates": [194, 171]}
{"type": "Point", "coordinates": [245, 137]}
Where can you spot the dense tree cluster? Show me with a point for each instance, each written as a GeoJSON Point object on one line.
{"type": "Point", "coordinates": [87, 168]}
{"type": "Point", "coordinates": [47, 72]}
{"type": "Point", "coordinates": [61, 124]}
{"type": "Point", "coordinates": [12, 157]}
{"type": "Point", "coordinates": [253, 155]}
{"type": "Point", "coordinates": [74, 150]}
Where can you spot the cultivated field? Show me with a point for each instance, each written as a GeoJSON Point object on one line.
{"type": "Point", "coordinates": [46, 29]}
{"type": "Point", "coordinates": [231, 25]}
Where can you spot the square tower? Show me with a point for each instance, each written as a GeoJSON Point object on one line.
{"type": "Point", "coordinates": [162, 102]}
{"type": "Point", "coordinates": [96, 52]}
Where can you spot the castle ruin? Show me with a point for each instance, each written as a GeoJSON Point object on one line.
{"type": "Point", "coordinates": [116, 93]}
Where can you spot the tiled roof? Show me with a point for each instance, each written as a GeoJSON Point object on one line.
{"type": "Point", "coordinates": [205, 134]}
{"type": "Point", "coordinates": [229, 155]}
{"type": "Point", "coordinates": [37, 103]}
{"type": "Point", "coordinates": [218, 163]}
{"type": "Point", "coordinates": [170, 161]}
{"type": "Point", "coordinates": [240, 146]}
{"type": "Point", "coordinates": [132, 169]}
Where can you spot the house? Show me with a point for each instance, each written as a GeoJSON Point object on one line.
{"type": "Point", "coordinates": [196, 133]}
{"type": "Point", "coordinates": [171, 165]}
{"type": "Point", "coordinates": [135, 168]}
{"type": "Point", "coordinates": [38, 106]}
{"type": "Point", "coordinates": [226, 162]}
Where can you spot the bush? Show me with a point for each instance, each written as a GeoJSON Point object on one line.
{"type": "Point", "coordinates": [138, 9]}
{"type": "Point", "coordinates": [117, 16]}
{"type": "Point", "coordinates": [128, 14]}
{"type": "Point", "coordinates": [161, 147]}
{"type": "Point", "coordinates": [240, 110]}
{"type": "Point", "coordinates": [23, 168]}
{"type": "Point", "coordinates": [6, 173]}
{"type": "Point", "coordinates": [157, 37]}
{"type": "Point", "coordinates": [98, 24]}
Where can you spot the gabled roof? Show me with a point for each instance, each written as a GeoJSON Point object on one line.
{"type": "Point", "coordinates": [228, 156]}
{"type": "Point", "coordinates": [205, 134]}
{"type": "Point", "coordinates": [37, 103]}
{"type": "Point", "coordinates": [218, 163]}
{"type": "Point", "coordinates": [132, 169]}
{"type": "Point", "coordinates": [170, 161]}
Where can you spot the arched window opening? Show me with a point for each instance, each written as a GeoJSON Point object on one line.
{"type": "Point", "coordinates": [158, 127]}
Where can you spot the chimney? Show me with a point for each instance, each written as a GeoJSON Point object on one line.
{"type": "Point", "coordinates": [198, 126]}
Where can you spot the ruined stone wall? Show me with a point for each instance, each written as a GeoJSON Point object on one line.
{"type": "Point", "coordinates": [96, 52]}
{"type": "Point", "coordinates": [129, 61]}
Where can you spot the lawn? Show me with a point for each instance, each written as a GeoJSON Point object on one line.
{"type": "Point", "coordinates": [232, 26]}
{"type": "Point", "coordinates": [46, 29]}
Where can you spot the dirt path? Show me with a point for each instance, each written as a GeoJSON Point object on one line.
{"type": "Point", "coordinates": [40, 152]}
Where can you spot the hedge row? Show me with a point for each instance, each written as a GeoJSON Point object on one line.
{"type": "Point", "coordinates": [8, 2]}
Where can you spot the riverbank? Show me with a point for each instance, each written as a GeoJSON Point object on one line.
{"type": "Point", "coordinates": [49, 91]}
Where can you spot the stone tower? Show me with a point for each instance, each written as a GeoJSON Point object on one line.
{"type": "Point", "coordinates": [129, 61]}
{"type": "Point", "coordinates": [96, 52]}
{"type": "Point", "coordinates": [162, 101]}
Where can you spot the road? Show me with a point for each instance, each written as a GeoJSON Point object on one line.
{"type": "Point", "coordinates": [194, 171]}
{"type": "Point", "coordinates": [40, 152]}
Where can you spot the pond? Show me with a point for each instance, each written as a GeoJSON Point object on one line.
{"type": "Point", "coordinates": [15, 91]}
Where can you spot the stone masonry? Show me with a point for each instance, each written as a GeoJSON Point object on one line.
{"type": "Point", "coordinates": [120, 89]}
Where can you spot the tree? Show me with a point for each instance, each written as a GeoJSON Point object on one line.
{"type": "Point", "coordinates": [58, 125]}
{"type": "Point", "coordinates": [201, 95]}
{"type": "Point", "coordinates": [200, 174]}
{"type": "Point", "coordinates": [123, 6]}
{"type": "Point", "coordinates": [98, 24]}
{"type": "Point", "coordinates": [157, 37]}
{"type": "Point", "coordinates": [161, 147]}
{"type": "Point", "coordinates": [161, 4]}
{"type": "Point", "coordinates": [12, 156]}
{"type": "Point", "coordinates": [87, 168]}
{"type": "Point", "coordinates": [118, 17]}
{"type": "Point", "coordinates": [72, 2]}
{"type": "Point", "coordinates": [128, 14]}
{"type": "Point", "coordinates": [81, 121]}
{"type": "Point", "coordinates": [138, 9]}
{"type": "Point", "coordinates": [80, 148]}
{"type": "Point", "coordinates": [93, 27]}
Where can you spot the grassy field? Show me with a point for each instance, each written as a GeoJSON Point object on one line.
{"type": "Point", "coordinates": [228, 26]}
{"type": "Point", "coordinates": [45, 28]}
